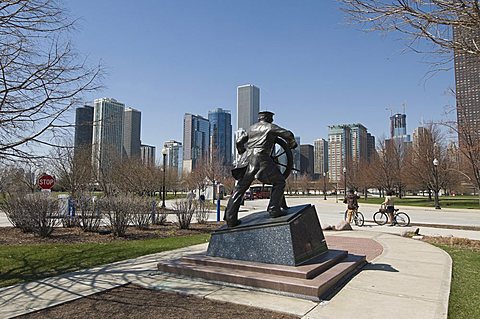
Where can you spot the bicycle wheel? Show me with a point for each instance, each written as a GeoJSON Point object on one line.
{"type": "Point", "coordinates": [402, 219]}
{"type": "Point", "coordinates": [380, 218]}
{"type": "Point", "coordinates": [359, 219]}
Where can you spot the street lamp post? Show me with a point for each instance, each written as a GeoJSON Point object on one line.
{"type": "Point", "coordinates": [324, 187]}
{"type": "Point", "coordinates": [164, 153]}
{"type": "Point", "coordinates": [345, 180]}
{"type": "Point", "coordinates": [435, 173]}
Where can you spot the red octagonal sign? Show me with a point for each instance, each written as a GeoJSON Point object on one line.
{"type": "Point", "coordinates": [46, 181]}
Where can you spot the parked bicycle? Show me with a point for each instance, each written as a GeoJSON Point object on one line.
{"type": "Point", "coordinates": [399, 218]}
{"type": "Point", "coordinates": [357, 217]}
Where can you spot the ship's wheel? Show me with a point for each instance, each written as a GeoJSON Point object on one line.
{"type": "Point", "coordinates": [282, 156]}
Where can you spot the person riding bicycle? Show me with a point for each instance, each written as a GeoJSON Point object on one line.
{"type": "Point", "coordinates": [390, 208]}
{"type": "Point", "coordinates": [352, 204]}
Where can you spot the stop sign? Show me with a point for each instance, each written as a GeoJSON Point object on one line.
{"type": "Point", "coordinates": [46, 181]}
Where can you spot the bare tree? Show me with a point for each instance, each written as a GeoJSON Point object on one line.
{"type": "Point", "coordinates": [420, 166]}
{"type": "Point", "coordinates": [73, 169]}
{"type": "Point", "coordinates": [432, 22]}
{"type": "Point", "coordinates": [41, 76]}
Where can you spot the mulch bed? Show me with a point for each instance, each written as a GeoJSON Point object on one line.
{"type": "Point", "coordinates": [14, 236]}
{"type": "Point", "coordinates": [131, 301]}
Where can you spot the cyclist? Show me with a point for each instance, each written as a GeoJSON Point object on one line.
{"type": "Point", "coordinates": [352, 204]}
{"type": "Point", "coordinates": [390, 208]}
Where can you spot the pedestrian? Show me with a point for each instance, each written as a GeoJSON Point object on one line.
{"type": "Point", "coordinates": [389, 206]}
{"type": "Point", "coordinates": [352, 204]}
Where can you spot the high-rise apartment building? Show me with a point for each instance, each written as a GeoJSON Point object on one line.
{"type": "Point", "coordinates": [371, 149]}
{"type": "Point", "coordinates": [320, 151]}
{"type": "Point", "coordinates": [339, 150]}
{"type": "Point", "coordinates": [83, 130]}
{"type": "Point", "coordinates": [174, 157]}
{"type": "Point", "coordinates": [131, 133]}
{"type": "Point", "coordinates": [220, 135]}
{"type": "Point", "coordinates": [107, 140]}
{"type": "Point", "coordinates": [248, 105]}
{"type": "Point", "coordinates": [196, 141]}
{"type": "Point", "coordinates": [359, 142]}
{"type": "Point", "coordinates": [306, 160]}
{"type": "Point", "coordinates": [147, 155]}
{"type": "Point", "coordinates": [467, 82]}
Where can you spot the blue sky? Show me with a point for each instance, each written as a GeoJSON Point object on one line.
{"type": "Point", "coordinates": [170, 57]}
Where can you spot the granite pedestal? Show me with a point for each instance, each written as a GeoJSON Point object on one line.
{"type": "Point", "coordinates": [288, 240]}
{"type": "Point", "coordinates": [286, 255]}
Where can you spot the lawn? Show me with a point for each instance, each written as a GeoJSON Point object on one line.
{"type": "Point", "coordinates": [465, 290]}
{"type": "Point", "coordinates": [468, 202]}
{"type": "Point", "coordinates": [22, 263]}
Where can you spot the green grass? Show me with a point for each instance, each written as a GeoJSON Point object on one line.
{"type": "Point", "coordinates": [23, 263]}
{"type": "Point", "coordinates": [468, 202]}
{"type": "Point", "coordinates": [465, 290]}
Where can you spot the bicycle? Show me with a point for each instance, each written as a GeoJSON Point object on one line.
{"type": "Point", "coordinates": [357, 217]}
{"type": "Point", "coordinates": [399, 218]}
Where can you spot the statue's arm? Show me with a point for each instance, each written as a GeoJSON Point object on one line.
{"type": "Point", "coordinates": [286, 135]}
{"type": "Point", "coordinates": [242, 138]}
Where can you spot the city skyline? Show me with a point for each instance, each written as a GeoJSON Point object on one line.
{"type": "Point", "coordinates": [305, 67]}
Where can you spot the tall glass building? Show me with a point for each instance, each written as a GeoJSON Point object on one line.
{"type": "Point", "coordinates": [108, 119]}
{"type": "Point", "coordinates": [398, 127]}
{"type": "Point", "coordinates": [248, 105]}
{"type": "Point", "coordinates": [467, 83]}
{"type": "Point", "coordinates": [174, 157]}
{"type": "Point", "coordinates": [147, 154]}
{"type": "Point", "coordinates": [131, 133]}
{"type": "Point", "coordinates": [83, 129]}
{"type": "Point", "coordinates": [220, 135]}
{"type": "Point", "coordinates": [320, 151]}
{"type": "Point", "coordinates": [196, 141]}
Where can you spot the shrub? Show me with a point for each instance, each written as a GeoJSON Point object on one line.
{"type": "Point", "coordinates": [88, 213]}
{"type": "Point", "coordinates": [37, 213]}
{"type": "Point", "coordinates": [201, 213]}
{"type": "Point", "coordinates": [118, 210]}
{"type": "Point", "coordinates": [184, 210]}
{"type": "Point", "coordinates": [161, 217]}
{"type": "Point", "coordinates": [142, 212]}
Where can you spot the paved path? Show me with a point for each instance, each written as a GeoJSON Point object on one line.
{"type": "Point", "coordinates": [410, 279]}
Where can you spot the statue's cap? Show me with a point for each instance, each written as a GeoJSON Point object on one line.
{"type": "Point", "coordinates": [266, 115]}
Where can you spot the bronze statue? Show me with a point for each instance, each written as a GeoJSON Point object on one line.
{"type": "Point", "coordinates": [256, 163]}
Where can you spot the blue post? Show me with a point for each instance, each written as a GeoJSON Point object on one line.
{"type": "Point", "coordinates": [218, 209]}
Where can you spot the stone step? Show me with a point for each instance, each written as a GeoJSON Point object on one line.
{"type": "Point", "coordinates": [306, 288]}
{"type": "Point", "coordinates": [308, 270]}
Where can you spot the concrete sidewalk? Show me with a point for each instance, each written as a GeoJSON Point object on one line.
{"type": "Point", "coordinates": [410, 279]}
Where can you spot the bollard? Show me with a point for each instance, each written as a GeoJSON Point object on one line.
{"type": "Point", "coordinates": [218, 210]}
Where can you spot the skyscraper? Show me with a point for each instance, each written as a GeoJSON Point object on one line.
{"type": "Point", "coordinates": [83, 130]}
{"type": "Point", "coordinates": [306, 160]}
{"type": "Point", "coordinates": [248, 105]}
{"type": "Point", "coordinates": [371, 149]}
{"type": "Point", "coordinates": [339, 150]}
{"type": "Point", "coordinates": [131, 133]}
{"type": "Point", "coordinates": [467, 82]}
{"type": "Point", "coordinates": [320, 151]}
{"type": "Point", "coordinates": [174, 157]}
{"type": "Point", "coordinates": [220, 135]}
{"type": "Point", "coordinates": [398, 127]}
{"type": "Point", "coordinates": [147, 155]}
{"type": "Point", "coordinates": [108, 117]}
{"type": "Point", "coordinates": [359, 142]}
{"type": "Point", "coordinates": [196, 141]}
